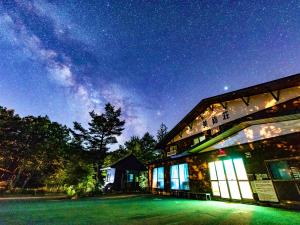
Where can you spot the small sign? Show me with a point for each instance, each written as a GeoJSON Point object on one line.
{"type": "Point", "coordinates": [261, 176]}
{"type": "Point", "coordinates": [221, 153]}
{"type": "Point", "coordinates": [265, 190]}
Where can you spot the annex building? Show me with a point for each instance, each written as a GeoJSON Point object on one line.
{"type": "Point", "coordinates": [241, 146]}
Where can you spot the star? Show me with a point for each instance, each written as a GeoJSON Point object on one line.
{"type": "Point", "coordinates": [154, 60]}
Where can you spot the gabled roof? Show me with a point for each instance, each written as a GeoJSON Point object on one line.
{"type": "Point", "coordinates": [129, 161]}
{"type": "Point", "coordinates": [286, 82]}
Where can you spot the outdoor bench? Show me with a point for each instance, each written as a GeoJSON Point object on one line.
{"type": "Point", "coordinates": [198, 195]}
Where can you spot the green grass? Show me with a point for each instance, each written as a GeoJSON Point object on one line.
{"type": "Point", "coordinates": [141, 210]}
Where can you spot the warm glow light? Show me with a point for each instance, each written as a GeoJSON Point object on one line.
{"type": "Point", "coordinates": [154, 178]}
{"type": "Point", "coordinates": [220, 170]}
{"type": "Point", "coordinates": [235, 184]}
{"type": "Point", "coordinates": [224, 189]}
{"type": "Point", "coordinates": [229, 169]}
{"type": "Point", "coordinates": [234, 190]}
{"type": "Point", "coordinates": [246, 189]}
{"type": "Point", "coordinates": [240, 169]}
{"type": "Point", "coordinates": [212, 171]}
{"type": "Point", "coordinates": [215, 188]}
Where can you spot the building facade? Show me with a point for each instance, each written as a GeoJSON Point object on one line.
{"type": "Point", "coordinates": [240, 146]}
{"type": "Point", "coordinates": [123, 175]}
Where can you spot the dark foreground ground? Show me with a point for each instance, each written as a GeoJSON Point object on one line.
{"type": "Point", "coordinates": [141, 210]}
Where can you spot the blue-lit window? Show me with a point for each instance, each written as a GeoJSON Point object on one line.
{"type": "Point", "coordinates": [158, 178]}
{"type": "Point", "coordinates": [130, 177]}
{"type": "Point", "coordinates": [180, 177]}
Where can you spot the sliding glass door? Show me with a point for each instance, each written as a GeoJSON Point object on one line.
{"type": "Point", "coordinates": [229, 179]}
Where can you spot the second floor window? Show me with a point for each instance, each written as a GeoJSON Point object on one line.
{"type": "Point", "coordinates": [173, 150]}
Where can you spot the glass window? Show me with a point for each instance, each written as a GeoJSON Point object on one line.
{"type": "Point", "coordinates": [234, 189]}
{"type": "Point", "coordinates": [130, 177]}
{"type": "Point", "coordinates": [223, 189]}
{"type": "Point", "coordinates": [154, 178]}
{"type": "Point", "coordinates": [229, 179]}
{"type": "Point", "coordinates": [174, 178]}
{"type": "Point", "coordinates": [220, 170]}
{"type": "Point", "coordinates": [180, 177]}
{"type": "Point", "coordinates": [110, 176]}
{"type": "Point", "coordinates": [184, 176]}
{"type": "Point", "coordinates": [229, 169]}
{"type": "Point", "coordinates": [202, 138]}
{"type": "Point", "coordinates": [196, 141]}
{"type": "Point", "coordinates": [240, 169]}
{"type": "Point", "coordinates": [245, 189]}
{"type": "Point", "coordinates": [280, 170]}
{"type": "Point", "coordinates": [212, 171]}
{"type": "Point", "coordinates": [158, 178]}
{"type": "Point", "coordinates": [215, 188]}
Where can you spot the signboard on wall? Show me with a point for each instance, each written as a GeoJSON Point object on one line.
{"type": "Point", "coordinates": [218, 114]}
{"type": "Point", "coordinates": [265, 190]}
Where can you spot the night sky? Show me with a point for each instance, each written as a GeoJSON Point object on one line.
{"type": "Point", "coordinates": [63, 58]}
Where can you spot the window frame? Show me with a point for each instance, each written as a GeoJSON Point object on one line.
{"type": "Point", "coordinates": [180, 186]}
{"type": "Point", "coordinates": [157, 177]}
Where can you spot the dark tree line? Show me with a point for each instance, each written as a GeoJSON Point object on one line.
{"type": "Point", "coordinates": [31, 148]}
{"type": "Point", "coordinates": [144, 148]}
{"type": "Point", "coordinates": [36, 152]}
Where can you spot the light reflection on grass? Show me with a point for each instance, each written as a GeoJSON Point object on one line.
{"type": "Point", "coordinates": [141, 210]}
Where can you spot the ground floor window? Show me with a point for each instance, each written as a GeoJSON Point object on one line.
{"type": "Point", "coordinates": [158, 178]}
{"type": "Point", "coordinates": [229, 179]}
{"type": "Point", "coordinates": [281, 170]}
{"type": "Point", "coordinates": [129, 177]}
{"type": "Point", "coordinates": [285, 174]}
{"type": "Point", "coordinates": [110, 175]}
{"type": "Point", "coordinates": [180, 177]}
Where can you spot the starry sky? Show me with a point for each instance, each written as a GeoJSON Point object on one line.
{"type": "Point", "coordinates": [154, 59]}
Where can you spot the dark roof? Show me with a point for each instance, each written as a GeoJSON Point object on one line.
{"type": "Point", "coordinates": [289, 81]}
{"type": "Point", "coordinates": [129, 161]}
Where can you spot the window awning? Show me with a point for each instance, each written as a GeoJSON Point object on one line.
{"type": "Point", "coordinates": [250, 131]}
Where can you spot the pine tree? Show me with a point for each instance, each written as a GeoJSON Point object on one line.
{"type": "Point", "coordinates": [162, 132]}
{"type": "Point", "coordinates": [102, 132]}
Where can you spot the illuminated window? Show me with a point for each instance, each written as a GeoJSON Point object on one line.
{"type": "Point", "coordinates": [158, 178]}
{"type": "Point", "coordinates": [180, 177]}
{"type": "Point", "coordinates": [215, 130]}
{"type": "Point", "coordinates": [130, 177]}
{"type": "Point", "coordinates": [280, 170]}
{"type": "Point", "coordinates": [110, 175]}
{"type": "Point", "coordinates": [222, 179]}
{"type": "Point", "coordinates": [229, 179]}
{"type": "Point", "coordinates": [232, 182]}
{"type": "Point", "coordinates": [173, 150]}
{"type": "Point", "coordinates": [197, 140]}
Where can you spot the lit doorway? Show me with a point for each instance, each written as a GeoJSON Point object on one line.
{"type": "Point", "coordinates": [229, 179]}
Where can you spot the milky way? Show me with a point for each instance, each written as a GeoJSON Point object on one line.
{"type": "Point", "coordinates": [155, 60]}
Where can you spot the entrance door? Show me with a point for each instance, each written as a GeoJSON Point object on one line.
{"type": "Point", "coordinates": [229, 179]}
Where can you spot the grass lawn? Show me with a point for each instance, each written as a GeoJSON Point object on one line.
{"type": "Point", "coordinates": [141, 210]}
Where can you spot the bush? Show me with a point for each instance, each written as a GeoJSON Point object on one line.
{"type": "Point", "coordinates": [143, 181]}
{"type": "Point", "coordinates": [87, 187]}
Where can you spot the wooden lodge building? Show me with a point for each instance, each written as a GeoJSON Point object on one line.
{"type": "Point", "coordinates": [241, 146]}
{"type": "Point", "coordinates": [123, 175]}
